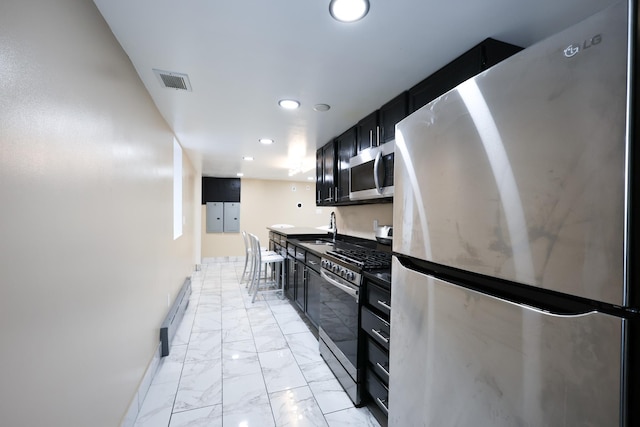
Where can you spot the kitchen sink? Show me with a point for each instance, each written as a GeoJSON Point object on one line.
{"type": "Point", "coordinates": [320, 242]}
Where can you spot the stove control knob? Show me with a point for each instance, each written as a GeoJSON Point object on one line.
{"type": "Point", "coordinates": [343, 272]}
{"type": "Point", "coordinates": [351, 275]}
{"type": "Point", "coordinates": [335, 268]}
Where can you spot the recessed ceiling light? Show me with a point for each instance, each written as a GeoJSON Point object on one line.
{"type": "Point", "coordinates": [248, 158]}
{"type": "Point", "coordinates": [239, 174]}
{"type": "Point", "coordinates": [311, 178]}
{"type": "Point", "coordinates": [348, 10]}
{"type": "Point", "coordinates": [266, 141]}
{"type": "Point", "coordinates": [321, 107]}
{"type": "Point", "coordinates": [289, 104]}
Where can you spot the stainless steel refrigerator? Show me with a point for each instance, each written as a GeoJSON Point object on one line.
{"type": "Point", "coordinates": [514, 300]}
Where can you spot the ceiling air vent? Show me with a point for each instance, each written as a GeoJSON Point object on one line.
{"type": "Point", "coordinates": [172, 80]}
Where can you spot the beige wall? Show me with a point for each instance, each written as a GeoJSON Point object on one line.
{"type": "Point", "coordinates": [87, 252]}
{"type": "Point", "coordinates": [358, 220]}
{"type": "Point", "coordinates": [264, 203]}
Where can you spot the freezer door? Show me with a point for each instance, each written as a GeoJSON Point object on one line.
{"type": "Point", "coordinates": [520, 172]}
{"type": "Point", "coordinates": [461, 358]}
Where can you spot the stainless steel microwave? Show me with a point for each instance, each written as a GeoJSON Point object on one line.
{"type": "Point", "coordinates": [371, 173]}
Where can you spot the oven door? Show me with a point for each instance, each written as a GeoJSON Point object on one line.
{"type": "Point", "coordinates": [371, 173]}
{"type": "Point", "coordinates": [339, 320]}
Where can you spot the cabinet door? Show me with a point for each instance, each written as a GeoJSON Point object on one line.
{"type": "Point", "coordinates": [232, 217]}
{"type": "Point", "coordinates": [300, 291]}
{"type": "Point", "coordinates": [328, 175]}
{"type": "Point", "coordinates": [346, 149]}
{"type": "Point", "coordinates": [314, 281]}
{"type": "Point", "coordinates": [390, 114]}
{"type": "Point", "coordinates": [368, 132]}
{"type": "Point", "coordinates": [215, 213]}
{"type": "Point", "coordinates": [290, 285]}
{"type": "Point", "coordinates": [319, 177]}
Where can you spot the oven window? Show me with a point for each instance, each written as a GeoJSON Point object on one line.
{"type": "Point", "coordinates": [339, 320]}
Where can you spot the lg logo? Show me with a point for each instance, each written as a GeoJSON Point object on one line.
{"type": "Point", "coordinates": [573, 49]}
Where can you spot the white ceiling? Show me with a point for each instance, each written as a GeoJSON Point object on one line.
{"type": "Point", "coordinates": [242, 56]}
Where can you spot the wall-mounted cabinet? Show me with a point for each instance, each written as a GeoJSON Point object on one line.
{"type": "Point", "coordinates": [223, 217]}
{"type": "Point", "coordinates": [326, 174]}
{"type": "Point", "coordinates": [345, 150]}
{"type": "Point", "coordinates": [474, 61]}
{"type": "Point", "coordinates": [368, 132]}
{"type": "Point", "coordinates": [390, 114]}
{"type": "Point", "coordinates": [220, 189]}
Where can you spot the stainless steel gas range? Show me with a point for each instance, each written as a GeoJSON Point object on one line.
{"type": "Point", "coordinates": [342, 270]}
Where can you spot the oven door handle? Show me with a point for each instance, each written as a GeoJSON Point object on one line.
{"type": "Point", "coordinates": [334, 282]}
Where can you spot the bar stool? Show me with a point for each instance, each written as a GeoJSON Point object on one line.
{"type": "Point", "coordinates": [260, 284]}
{"type": "Point", "coordinates": [248, 258]}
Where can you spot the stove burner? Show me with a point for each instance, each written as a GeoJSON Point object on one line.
{"type": "Point", "coordinates": [365, 259]}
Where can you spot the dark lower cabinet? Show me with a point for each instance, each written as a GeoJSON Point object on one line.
{"type": "Point", "coordinates": [314, 281]}
{"type": "Point", "coordinates": [375, 324]}
{"type": "Point", "coordinates": [289, 288]}
{"type": "Point", "coordinates": [300, 286]}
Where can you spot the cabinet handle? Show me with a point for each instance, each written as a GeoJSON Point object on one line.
{"type": "Point", "coordinates": [378, 135]}
{"type": "Point", "coordinates": [379, 335]}
{"type": "Point", "coordinates": [383, 403]}
{"type": "Point", "coordinates": [313, 262]}
{"type": "Point", "coordinates": [318, 195]}
{"type": "Point", "coordinates": [385, 370]}
{"type": "Point", "coordinates": [370, 137]}
{"type": "Point", "coordinates": [335, 191]}
{"type": "Point", "coordinates": [384, 304]}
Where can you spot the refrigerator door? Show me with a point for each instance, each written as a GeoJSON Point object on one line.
{"type": "Point", "coordinates": [462, 358]}
{"type": "Point", "coordinates": [520, 172]}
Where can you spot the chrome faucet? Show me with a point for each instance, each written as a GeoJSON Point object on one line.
{"type": "Point", "coordinates": [333, 225]}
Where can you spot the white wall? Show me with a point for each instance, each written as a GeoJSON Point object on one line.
{"type": "Point", "coordinates": [87, 257]}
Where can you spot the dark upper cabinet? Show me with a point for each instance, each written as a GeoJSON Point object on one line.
{"type": "Point", "coordinates": [345, 150]}
{"type": "Point", "coordinates": [368, 132]}
{"type": "Point", "coordinates": [329, 171]}
{"type": "Point", "coordinates": [390, 114]}
{"type": "Point", "coordinates": [474, 61]}
{"type": "Point", "coordinates": [220, 190]}
{"type": "Point", "coordinates": [380, 126]}
{"type": "Point", "coordinates": [319, 177]}
{"type": "Point", "coordinates": [325, 174]}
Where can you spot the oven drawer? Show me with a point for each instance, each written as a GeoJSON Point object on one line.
{"type": "Point", "coordinates": [378, 360]}
{"type": "Point", "coordinates": [379, 298]}
{"type": "Point", "coordinates": [376, 327]}
{"type": "Point", "coordinates": [378, 391]}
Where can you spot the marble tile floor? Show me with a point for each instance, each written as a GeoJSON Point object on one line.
{"type": "Point", "coordinates": [234, 363]}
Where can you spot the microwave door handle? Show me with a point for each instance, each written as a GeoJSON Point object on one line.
{"type": "Point", "coordinates": [376, 167]}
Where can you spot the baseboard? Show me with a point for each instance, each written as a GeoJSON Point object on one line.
{"type": "Point", "coordinates": [215, 260]}
{"type": "Point", "coordinates": [143, 389]}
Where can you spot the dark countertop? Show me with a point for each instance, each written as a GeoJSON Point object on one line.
{"type": "Point", "coordinates": [299, 231]}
